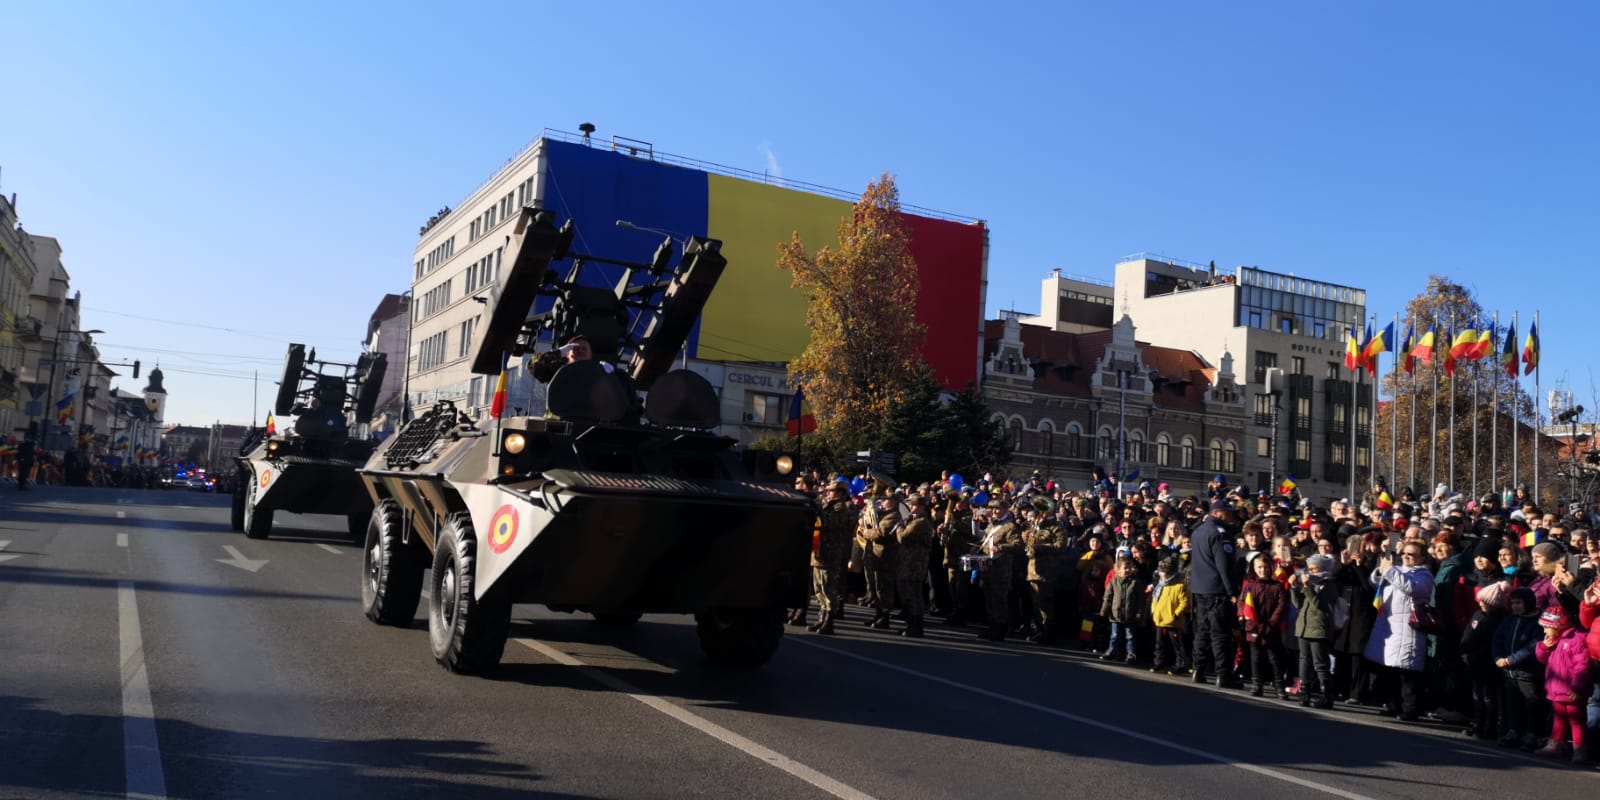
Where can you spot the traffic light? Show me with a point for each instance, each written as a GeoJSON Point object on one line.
{"type": "Point", "coordinates": [136, 368]}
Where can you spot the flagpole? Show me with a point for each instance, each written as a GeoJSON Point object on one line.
{"type": "Point", "coordinates": [1394, 410]}
{"type": "Point", "coordinates": [1411, 382]}
{"type": "Point", "coordinates": [1495, 327]}
{"type": "Point", "coordinates": [1494, 434]}
{"type": "Point", "coordinates": [1350, 418]}
{"type": "Point", "coordinates": [1516, 417]}
{"type": "Point", "coordinates": [1377, 388]}
{"type": "Point", "coordinates": [1536, 421]}
{"type": "Point", "coordinates": [1451, 445]}
{"type": "Point", "coordinates": [1434, 366]}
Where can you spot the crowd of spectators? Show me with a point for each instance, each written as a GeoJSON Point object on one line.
{"type": "Point", "coordinates": [1475, 612]}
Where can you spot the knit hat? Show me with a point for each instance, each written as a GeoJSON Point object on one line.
{"type": "Point", "coordinates": [1493, 596]}
{"type": "Point", "coordinates": [1554, 617]}
{"type": "Point", "coordinates": [1488, 547]}
{"type": "Point", "coordinates": [1524, 594]}
{"type": "Point", "coordinates": [1323, 562]}
{"type": "Point", "coordinates": [1549, 551]}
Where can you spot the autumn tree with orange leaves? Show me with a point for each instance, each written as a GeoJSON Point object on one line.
{"type": "Point", "coordinates": [865, 339]}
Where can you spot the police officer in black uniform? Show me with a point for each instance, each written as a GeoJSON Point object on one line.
{"type": "Point", "coordinates": [1213, 587]}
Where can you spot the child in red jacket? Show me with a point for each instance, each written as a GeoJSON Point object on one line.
{"type": "Point", "coordinates": [1567, 683]}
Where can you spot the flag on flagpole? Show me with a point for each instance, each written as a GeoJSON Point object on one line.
{"type": "Point", "coordinates": [1508, 353]}
{"type": "Point", "coordinates": [272, 424]}
{"type": "Point", "coordinates": [64, 407]}
{"type": "Point", "coordinates": [1422, 349]}
{"type": "Point", "coordinates": [1530, 349]}
{"type": "Point", "coordinates": [801, 418]}
{"type": "Point", "coordinates": [497, 405]}
{"type": "Point", "coordinates": [1352, 350]}
{"type": "Point", "coordinates": [1462, 345]}
{"type": "Point", "coordinates": [1287, 486]}
{"type": "Point", "coordinates": [1406, 346]}
{"type": "Point", "coordinates": [1375, 345]}
{"type": "Point", "coordinates": [1447, 344]}
{"type": "Point", "coordinates": [1484, 345]}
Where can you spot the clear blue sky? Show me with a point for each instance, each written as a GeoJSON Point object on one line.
{"type": "Point", "coordinates": [259, 173]}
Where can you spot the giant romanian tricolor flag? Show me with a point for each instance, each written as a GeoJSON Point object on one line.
{"type": "Point", "coordinates": [755, 313]}
{"type": "Point", "coordinates": [1463, 344]}
{"type": "Point", "coordinates": [801, 420]}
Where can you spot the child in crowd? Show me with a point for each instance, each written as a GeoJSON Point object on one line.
{"type": "Point", "coordinates": [1127, 608]}
{"type": "Point", "coordinates": [1262, 604]}
{"type": "Point", "coordinates": [1169, 612]}
{"type": "Point", "coordinates": [1477, 650]}
{"type": "Point", "coordinates": [1315, 594]}
{"type": "Point", "coordinates": [1522, 687]}
{"type": "Point", "coordinates": [1567, 683]}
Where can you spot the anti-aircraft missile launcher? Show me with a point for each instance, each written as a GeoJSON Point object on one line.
{"type": "Point", "coordinates": [619, 501]}
{"type": "Point", "coordinates": [309, 466]}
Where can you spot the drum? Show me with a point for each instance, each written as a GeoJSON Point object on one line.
{"type": "Point", "coordinates": [976, 562]}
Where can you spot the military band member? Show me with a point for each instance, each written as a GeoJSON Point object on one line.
{"type": "Point", "coordinates": [877, 531]}
{"type": "Point", "coordinates": [956, 540]}
{"type": "Point", "coordinates": [1044, 543]}
{"type": "Point", "coordinates": [1002, 542]}
{"type": "Point", "coordinates": [839, 518]}
{"type": "Point", "coordinates": [915, 537]}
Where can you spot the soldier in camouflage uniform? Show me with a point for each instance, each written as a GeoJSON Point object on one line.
{"type": "Point", "coordinates": [916, 540]}
{"type": "Point", "coordinates": [838, 519]}
{"type": "Point", "coordinates": [956, 540]}
{"type": "Point", "coordinates": [1044, 544]}
{"type": "Point", "coordinates": [877, 530]}
{"type": "Point", "coordinates": [1002, 542]}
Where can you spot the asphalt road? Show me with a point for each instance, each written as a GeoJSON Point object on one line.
{"type": "Point", "coordinates": [140, 657]}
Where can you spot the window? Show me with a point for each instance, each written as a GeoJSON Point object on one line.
{"type": "Point", "coordinates": [1264, 409]}
{"type": "Point", "coordinates": [1264, 446]}
{"type": "Point", "coordinates": [1074, 440]}
{"type": "Point", "coordinates": [464, 347]}
{"type": "Point", "coordinates": [1333, 370]}
{"type": "Point", "coordinates": [1286, 325]}
{"type": "Point", "coordinates": [1214, 456]}
{"type": "Point", "coordinates": [1255, 319]}
{"type": "Point", "coordinates": [475, 394]}
{"type": "Point", "coordinates": [1187, 453]}
{"type": "Point", "coordinates": [1104, 448]}
{"type": "Point", "coordinates": [1230, 458]}
{"type": "Point", "coordinates": [761, 408]}
{"type": "Point", "coordinates": [1319, 330]}
{"type": "Point", "coordinates": [1016, 435]}
{"type": "Point", "coordinates": [430, 353]}
{"type": "Point", "coordinates": [1302, 450]}
{"type": "Point", "coordinates": [1264, 362]}
{"type": "Point", "coordinates": [1163, 449]}
{"type": "Point", "coordinates": [1297, 365]}
{"type": "Point", "coordinates": [1046, 439]}
{"type": "Point", "coordinates": [1361, 456]}
{"type": "Point", "coordinates": [1135, 446]}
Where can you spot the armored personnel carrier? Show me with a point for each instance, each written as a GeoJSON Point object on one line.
{"type": "Point", "coordinates": [610, 503]}
{"type": "Point", "coordinates": [309, 467]}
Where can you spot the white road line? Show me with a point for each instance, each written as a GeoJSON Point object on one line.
{"type": "Point", "coordinates": [140, 750]}
{"type": "Point", "coordinates": [1093, 723]}
{"type": "Point", "coordinates": [334, 550]}
{"type": "Point", "coordinates": [122, 515]}
{"type": "Point", "coordinates": [122, 540]}
{"type": "Point", "coordinates": [702, 724]}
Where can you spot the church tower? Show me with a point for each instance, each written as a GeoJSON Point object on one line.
{"type": "Point", "coordinates": [155, 397]}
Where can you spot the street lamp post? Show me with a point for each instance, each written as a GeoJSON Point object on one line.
{"type": "Point", "coordinates": [1273, 388]}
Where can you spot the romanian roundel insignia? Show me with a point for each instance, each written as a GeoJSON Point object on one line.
{"type": "Point", "coordinates": [502, 529]}
{"type": "Point", "coordinates": [266, 477]}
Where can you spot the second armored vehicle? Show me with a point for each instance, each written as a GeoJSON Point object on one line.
{"type": "Point", "coordinates": [310, 467]}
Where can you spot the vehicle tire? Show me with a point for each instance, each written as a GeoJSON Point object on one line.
{"type": "Point", "coordinates": [391, 583]}
{"type": "Point", "coordinates": [740, 638]}
{"type": "Point", "coordinates": [618, 618]}
{"type": "Point", "coordinates": [236, 515]}
{"type": "Point", "coordinates": [467, 633]}
{"type": "Point", "coordinates": [257, 521]}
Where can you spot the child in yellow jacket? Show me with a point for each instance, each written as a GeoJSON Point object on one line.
{"type": "Point", "coordinates": [1169, 612]}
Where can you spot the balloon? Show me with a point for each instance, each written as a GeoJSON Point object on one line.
{"type": "Point", "coordinates": [858, 486]}
{"type": "Point", "coordinates": [956, 481]}
{"type": "Point", "coordinates": [980, 499]}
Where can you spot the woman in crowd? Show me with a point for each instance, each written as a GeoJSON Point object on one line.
{"type": "Point", "coordinates": [1398, 649]}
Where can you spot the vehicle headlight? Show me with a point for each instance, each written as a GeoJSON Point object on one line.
{"type": "Point", "coordinates": [785, 465]}
{"type": "Point", "coordinates": [272, 446]}
{"type": "Point", "coordinates": [515, 442]}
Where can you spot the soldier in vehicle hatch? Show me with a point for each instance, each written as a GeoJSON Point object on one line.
{"type": "Point", "coordinates": [575, 348]}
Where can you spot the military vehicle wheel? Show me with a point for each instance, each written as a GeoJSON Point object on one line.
{"type": "Point", "coordinates": [236, 515]}
{"type": "Point", "coordinates": [257, 521]}
{"type": "Point", "coordinates": [618, 618]}
{"type": "Point", "coordinates": [392, 572]}
{"type": "Point", "coordinates": [468, 633]}
{"type": "Point", "coordinates": [740, 638]}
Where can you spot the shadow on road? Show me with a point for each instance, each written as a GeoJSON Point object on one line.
{"type": "Point", "coordinates": [48, 753]}
{"type": "Point", "coordinates": [74, 578]}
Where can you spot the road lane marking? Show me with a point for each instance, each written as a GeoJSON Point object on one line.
{"type": "Point", "coordinates": [1093, 723]}
{"type": "Point", "coordinates": [334, 550]}
{"type": "Point", "coordinates": [3, 557]}
{"type": "Point", "coordinates": [122, 515]}
{"type": "Point", "coordinates": [122, 540]}
{"type": "Point", "coordinates": [702, 724]}
{"type": "Point", "coordinates": [237, 559]}
{"type": "Point", "coordinates": [141, 750]}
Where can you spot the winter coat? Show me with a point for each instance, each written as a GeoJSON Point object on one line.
{"type": "Point", "coordinates": [1566, 668]}
{"type": "Point", "coordinates": [916, 541]}
{"type": "Point", "coordinates": [837, 525]}
{"type": "Point", "coordinates": [1169, 603]}
{"type": "Point", "coordinates": [1315, 601]}
{"type": "Point", "coordinates": [1586, 616]}
{"type": "Point", "coordinates": [1393, 643]}
{"type": "Point", "coordinates": [1211, 568]}
{"type": "Point", "coordinates": [1477, 644]}
{"type": "Point", "coordinates": [1268, 602]}
{"type": "Point", "coordinates": [1544, 592]}
{"type": "Point", "coordinates": [1514, 641]}
{"type": "Point", "coordinates": [1044, 545]}
{"type": "Point", "coordinates": [1125, 601]}
{"type": "Point", "coordinates": [1354, 588]}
